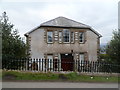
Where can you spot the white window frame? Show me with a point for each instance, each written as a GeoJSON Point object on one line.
{"type": "Point", "coordinates": [63, 36]}
{"type": "Point", "coordinates": [82, 56]}
{"type": "Point", "coordinates": [72, 37]}
{"type": "Point", "coordinates": [50, 61]}
{"type": "Point", "coordinates": [60, 37]}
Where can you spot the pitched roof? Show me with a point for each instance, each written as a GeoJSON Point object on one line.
{"type": "Point", "coordinates": [64, 22]}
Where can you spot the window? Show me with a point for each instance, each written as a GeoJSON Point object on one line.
{"type": "Point", "coordinates": [72, 37]}
{"type": "Point", "coordinates": [63, 36]}
{"type": "Point", "coordinates": [81, 37]}
{"type": "Point", "coordinates": [60, 37]}
{"type": "Point", "coordinates": [49, 36]}
{"type": "Point", "coordinates": [81, 57]}
{"type": "Point", "coordinates": [50, 62]}
{"type": "Point", "coordinates": [66, 35]}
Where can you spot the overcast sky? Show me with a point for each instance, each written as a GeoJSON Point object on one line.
{"type": "Point", "coordinates": [102, 15]}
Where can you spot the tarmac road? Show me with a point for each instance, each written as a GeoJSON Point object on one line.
{"type": "Point", "coordinates": [57, 85]}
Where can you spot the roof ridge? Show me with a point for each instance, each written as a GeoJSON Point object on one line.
{"type": "Point", "coordinates": [49, 20]}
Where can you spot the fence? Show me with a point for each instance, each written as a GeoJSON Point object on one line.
{"type": "Point", "coordinates": [44, 65]}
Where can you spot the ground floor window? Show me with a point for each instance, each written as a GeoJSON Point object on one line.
{"type": "Point", "coordinates": [82, 57]}
{"type": "Point", "coordinates": [50, 62]}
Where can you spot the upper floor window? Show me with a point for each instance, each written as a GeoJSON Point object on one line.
{"type": "Point", "coordinates": [72, 37]}
{"type": "Point", "coordinates": [66, 35]}
{"type": "Point", "coordinates": [81, 37]}
{"type": "Point", "coordinates": [49, 36]}
{"type": "Point", "coordinates": [60, 37]}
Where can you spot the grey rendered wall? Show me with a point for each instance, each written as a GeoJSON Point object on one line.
{"type": "Point", "coordinates": [92, 45]}
{"type": "Point", "coordinates": [39, 46]}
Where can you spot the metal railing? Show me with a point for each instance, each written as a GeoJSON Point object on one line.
{"type": "Point", "coordinates": [45, 65]}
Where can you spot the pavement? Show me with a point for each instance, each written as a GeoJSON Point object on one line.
{"type": "Point", "coordinates": [57, 85]}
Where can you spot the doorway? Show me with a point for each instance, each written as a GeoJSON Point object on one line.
{"type": "Point", "coordinates": [67, 62]}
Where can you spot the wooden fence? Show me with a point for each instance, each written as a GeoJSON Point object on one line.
{"type": "Point", "coordinates": [45, 65]}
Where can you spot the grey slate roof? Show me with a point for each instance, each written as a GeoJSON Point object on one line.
{"type": "Point", "coordinates": [64, 22]}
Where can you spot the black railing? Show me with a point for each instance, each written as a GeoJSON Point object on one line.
{"type": "Point", "coordinates": [44, 65]}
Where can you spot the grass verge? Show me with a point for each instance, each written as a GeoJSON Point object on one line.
{"type": "Point", "coordinates": [71, 77]}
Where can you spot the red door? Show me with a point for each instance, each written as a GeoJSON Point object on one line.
{"type": "Point", "coordinates": [67, 62]}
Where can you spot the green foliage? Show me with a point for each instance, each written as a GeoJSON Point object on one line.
{"type": "Point", "coordinates": [104, 57]}
{"type": "Point", "coordinates": [72, 77]}
{"type": "Point", "coordinates": [29, 75]}
{"type": "Point", "coordinates": [113, 48]}
{"type": "Point", "coordinates": [13, 45]}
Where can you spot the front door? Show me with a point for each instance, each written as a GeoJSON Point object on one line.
{"type": "Point", "coordinates": [67, 62]}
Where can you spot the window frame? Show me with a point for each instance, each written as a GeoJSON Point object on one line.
{"type": "Point", "coordinates": [60, 37]}
{"type": "Point", "coordinates": [83, 37]}
{"type": "Point", "coordinates": [81, 61]}
{"type": "Point", "coordinates": [63, 36]}
{"type": "Point", "coordinates": [72, 37]}
{"type": "Point", "coordinates": [52, 37]}
{"type": "Point", "coordinates": [49, 60]}
{"type": "Point", "coordinates": [83, 56]}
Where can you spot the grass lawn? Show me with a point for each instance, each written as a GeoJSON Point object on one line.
{"type": "Point", "coordinates": [71, 77]}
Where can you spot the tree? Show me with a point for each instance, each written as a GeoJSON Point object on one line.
{"type": "Point", "coordinates": [13, 45]}
{"type": "Point", "coordinates": [113, 48]}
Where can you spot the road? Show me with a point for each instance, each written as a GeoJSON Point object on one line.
{"type": "Point", "coordinates": [57, 85]}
